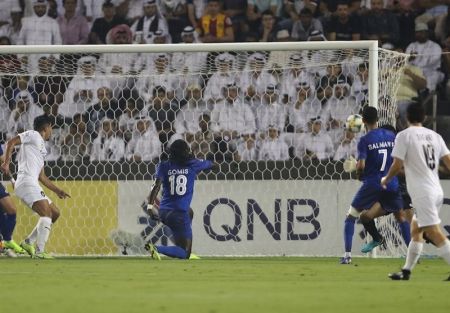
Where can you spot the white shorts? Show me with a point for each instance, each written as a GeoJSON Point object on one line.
{"type": "Point", "coordinates": [29, 194]}
{"type": "Point", "coordinates": [427, 209]}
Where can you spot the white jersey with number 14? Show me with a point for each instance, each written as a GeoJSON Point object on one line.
{"type": "Point", "coordinates": [420, 149]}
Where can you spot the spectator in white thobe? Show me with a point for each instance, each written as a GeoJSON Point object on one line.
{"type": "Point", "coordinates": [270, 112]}
{"type": "Point", "coordinates": [225, 75]}
{"type": "Point", "coordinates": [273, 148]}
{"type": "Point", "coordinates": [144, 144]}
{"type": "Point", "coordinates": [108, 146]}
{"type": "Point", "coordinates": [186, 122]}
{"type": "Point", "coordinates": [39, 29]}
{"type": "Point", "coordinates": [338, 108]}
{"type": "Point", "coordinates": [23, 115]}
{"type": "Point", "coordinates": [316, 144]}
{"type": "Point", "coordinates": [82, 90]}
{"type": "Point", "coordinates": [426, 54]}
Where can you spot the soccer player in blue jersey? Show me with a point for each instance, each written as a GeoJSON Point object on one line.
{"type": "Point", "coordinates": [371, 200]}
{"type": "Point", "coordinates": [8, 218]}
{"type": "Point", "coordinates": [177, 176]}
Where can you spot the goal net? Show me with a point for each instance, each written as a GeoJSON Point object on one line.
{"type": "Point", "coordinates": [271, 115]}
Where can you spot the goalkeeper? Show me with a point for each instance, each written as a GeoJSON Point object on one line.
{"type": "Point", "coordinates": [177, 176]}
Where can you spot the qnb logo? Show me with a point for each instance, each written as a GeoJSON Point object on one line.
{"type": "Point", "coordinates": [273, 225]}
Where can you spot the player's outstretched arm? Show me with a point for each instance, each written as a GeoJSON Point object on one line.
{"type": "Point", "coordinates": [151, 209]}
{"type": "Point", "coordinates": [395, 168]}
{"type": "Point", "coordinates": [446, 160]}
{"type": "Point", "coordinates": [48, 183]}
{"type": "Point", "coordinates": [15, 141]}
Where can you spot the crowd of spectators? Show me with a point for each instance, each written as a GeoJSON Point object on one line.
{"type": "Point", "coordinates": [228, 106]}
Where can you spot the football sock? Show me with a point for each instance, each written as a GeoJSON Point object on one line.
{"type": "Point", "coordinates": [413, 254]}
{"type": "Point", "coordinates": [406, 231]}
{"type": "Point", "coordinates": [172, 251]}
{"type": "Point", "coordinates": [7, 225]}
{"type": "Point", "coordinates": [43, 231]}
{"type": "Point", "coordinates": [31, 239]}
{"type": "Point", "coordinates": [372, 230]}
{"type": "Point", "coordinates": [444, 251]}
{"type": "Point", "coordinates": [349, 230]}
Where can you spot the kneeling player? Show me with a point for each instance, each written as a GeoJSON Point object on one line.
{"type": "Point", "coordinates": [177, 176]}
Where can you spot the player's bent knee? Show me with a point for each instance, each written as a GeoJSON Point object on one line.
{"type": "Point", "coordinates": [7, 205]}
{"type": "Point", "coordinates": [42, 208]}
{"type": "Point", "coordinates": [365, 218]}
{"type": "Point", "coordinates": [55, 212]}
{"type": "Point", "coordinates": [353, 213]}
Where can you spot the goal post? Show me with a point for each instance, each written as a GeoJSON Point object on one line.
{"type": "Point", "coordinates": [251, 107]}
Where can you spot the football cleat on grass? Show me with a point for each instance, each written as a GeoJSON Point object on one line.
{"type": "Point", "coordinates": [9, 253]}
{"type": "Point", "coordinates": [43, 255]}
{"type": "Point", "coordinates": [371, 245]}
{"type": "Point", "coordinates": [346, 260]}
{"type": "Point", "coordinates": [28, 248]}
{"type": "Point", "coordinates": [402, 275]}
{"type": "Point", "coordinates": [194, 257]}
{"type": "Point", "coordinates": [12, 245]}
{"type": "Point", "coordinates": [153, 251]}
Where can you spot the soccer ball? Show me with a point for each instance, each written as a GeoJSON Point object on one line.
{"type": "Point", "coordinates": [354, 123]}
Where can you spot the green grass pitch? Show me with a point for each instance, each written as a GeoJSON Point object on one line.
{"type": "Point", "coordinates": [311, 285]}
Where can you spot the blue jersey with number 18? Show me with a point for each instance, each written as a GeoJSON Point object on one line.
{"type": "Point", "coordinates": [178, 182]}
{"type": "Point", "coordinates": [375, 148]}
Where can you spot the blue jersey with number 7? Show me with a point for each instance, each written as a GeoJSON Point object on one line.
{"type": "Point", "coordinates": [178, 182]}
{"type": "Point", "coordinates": [375, 148]}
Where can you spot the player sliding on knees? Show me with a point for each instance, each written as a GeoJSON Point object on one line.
{"type": "Point", "coordinates": [30, 173]}
{"type": "Point", "coordinates": [374, 159]}
{"type": "Point", "coordinates": [177, 176]}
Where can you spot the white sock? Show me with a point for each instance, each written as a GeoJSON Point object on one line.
{"type": "Point", "coordinates": [414, 251]}
{"type": "Point", "coordinates": [31, 239]}
{"type": "Point", "coordinates": [444, 251]}
{"type": "Point", "coordinates": [43, 231]}
{"type": "Point", "coordinates": [347, 255]}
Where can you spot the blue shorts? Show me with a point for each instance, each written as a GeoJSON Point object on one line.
{"type": "Point", "coordinates": [3, 192]}
{"type": "Point", "coordinates": [368, 195]}
{"type": "Point", "coordinates": [179, 222]}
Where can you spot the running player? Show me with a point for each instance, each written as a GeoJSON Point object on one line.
{"type": "Point", "coordinates": [30, 173]}
{"type": "Point", "coordinates": [419, 151]}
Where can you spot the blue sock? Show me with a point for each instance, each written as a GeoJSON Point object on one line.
{"type": "Point", "coordinates": [349, 230]}
{"type": "Point", "coordinates": [406, 231]}
{"type": "Point", "coordinates": [7, 225]}
{"type": "Point", "coordinates": [172, 251]}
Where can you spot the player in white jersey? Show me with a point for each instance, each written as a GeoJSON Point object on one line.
{"type": "Point", "coordinates": [419, 151]}
{"type": "Point", "coordinates": [30, 172]}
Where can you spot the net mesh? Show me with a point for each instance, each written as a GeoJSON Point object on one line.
{"type": "Point", "coordinates": [265, 117]}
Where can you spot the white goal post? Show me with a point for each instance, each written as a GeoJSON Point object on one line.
{"type": "Point", "coordinates": [272, 195]}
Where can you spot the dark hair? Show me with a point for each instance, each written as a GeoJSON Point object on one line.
{"type": "Point", "coordinates": [7, 39]}
{"type": "Point", "coordinates": [415, 113]}
{"type": "Point", "coordinates": [108, 4]}
{"type": "Point", "coordinates": [41, 122]}
{"type": "Point", "coordinates": [157, 90]}
{"type": "Point", "coordinates": [179, 152]}
{"type": "Point", "coordinates": [370, 115]}
{"type": "Point", "coordinates": [268, 12]}
{"type": "Point", "coordinates": [306, 11]}
{"type": "Point", "coordinates": [389, 127]}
